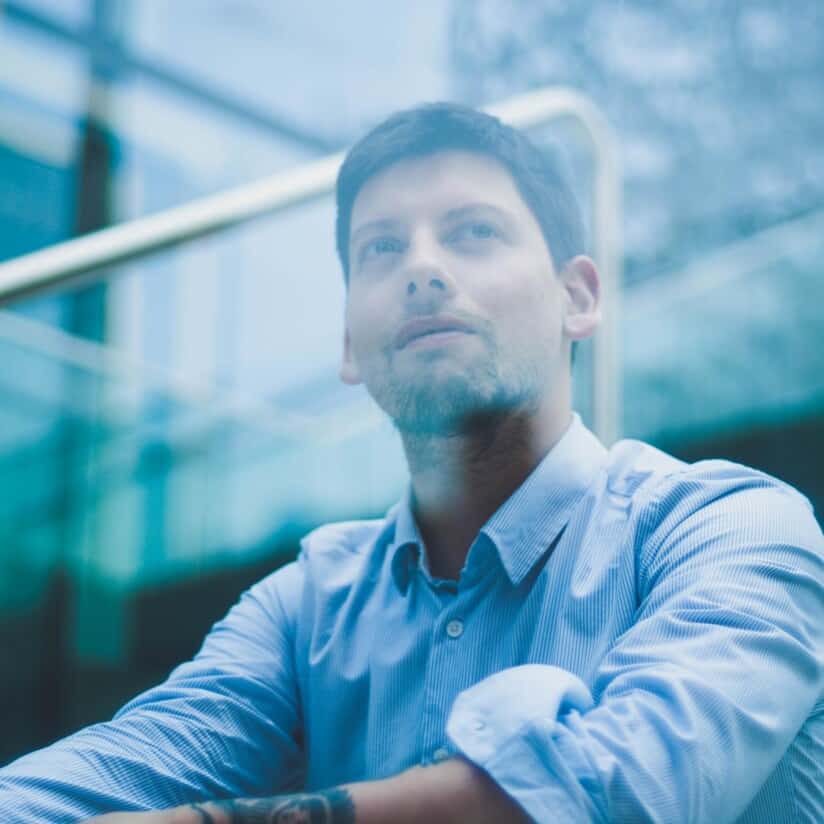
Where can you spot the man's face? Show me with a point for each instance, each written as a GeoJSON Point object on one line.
{"type": "Point", "coordinates": [454, 311]}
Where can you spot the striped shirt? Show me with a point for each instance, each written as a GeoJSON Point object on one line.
{"type": "Point", "coordinates": [631, 639]}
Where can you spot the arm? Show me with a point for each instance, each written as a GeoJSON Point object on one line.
{"type": "Point", "coordinates": [222, 725]}
{"type": "Point", "coordinates": [453, 792]}
{"type": "Point", "coordinates": [694, 706]}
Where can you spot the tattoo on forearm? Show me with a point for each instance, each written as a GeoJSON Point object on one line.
{"type": "Point", "coordinates": [328, 807]}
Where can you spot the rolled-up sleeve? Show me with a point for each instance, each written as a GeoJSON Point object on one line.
{"type": "Point", "coordinates": [694, 706]}
{"type": "Point", "coordinates": [223, 725]}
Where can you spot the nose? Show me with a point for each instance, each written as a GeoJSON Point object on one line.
{"type": "Point", "coordinates": [418, 284]}
{"type": "Point", "coordinates": [427, 275]}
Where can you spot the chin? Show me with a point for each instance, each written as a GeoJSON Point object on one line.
{"type": "Point", "coordinates": [452, 401]}
{"type": "Point", "coordinates": [431, 413]}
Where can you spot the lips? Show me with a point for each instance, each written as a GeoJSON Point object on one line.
{"type": "Point", "coordinates": [429, 325]}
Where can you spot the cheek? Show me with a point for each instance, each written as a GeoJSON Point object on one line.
{"type": "Point", "coordinates": [527, 313]}
{"type": "Point", "coordinates": [367, 333]}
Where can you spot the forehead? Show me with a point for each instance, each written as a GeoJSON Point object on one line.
{"type": "Point", "coordinates": [433, 183]}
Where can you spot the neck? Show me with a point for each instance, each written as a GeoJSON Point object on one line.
{"type": "Point", "coordinates": [460, 480]}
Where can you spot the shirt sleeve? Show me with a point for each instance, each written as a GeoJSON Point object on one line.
{"type": "Point", "coordinates": [225, 724]}
{"type": "Point", "coordinates": [694, 706]}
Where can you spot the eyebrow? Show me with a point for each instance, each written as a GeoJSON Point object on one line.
{"type": "Point", "coordinates": [475, 208]}
{"type": "Point", "coordinates": [469, 209]}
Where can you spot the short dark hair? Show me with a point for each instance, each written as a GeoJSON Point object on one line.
{"type": "Point", "coordinates": [434, 127]}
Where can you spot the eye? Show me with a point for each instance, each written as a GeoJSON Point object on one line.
{"type": "Point", "coordinates": [474, 231]}
{"type": "Point", "coordinates": [380, 246]}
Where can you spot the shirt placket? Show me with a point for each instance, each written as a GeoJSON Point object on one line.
{"type": "Point", "coordinates": [442, 682]}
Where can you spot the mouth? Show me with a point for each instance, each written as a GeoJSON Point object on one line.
{"type": "Point", "coordinates": [431, 331]}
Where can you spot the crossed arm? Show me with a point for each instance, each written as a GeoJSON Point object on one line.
{"type": "Point", "coordinates": [691, 709]}
{"type": "Point", "coordinates": [453, 791]}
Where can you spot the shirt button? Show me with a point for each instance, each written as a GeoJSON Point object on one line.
{"type": "Point", "coordinates": [454, 629]}
{"type": "Point", "coordinates": [478, 725]}
{"type": "Point", "coordinates": [441, 754]}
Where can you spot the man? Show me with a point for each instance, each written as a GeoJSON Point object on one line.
{"type": "Point", "coordinates": [541, 629]}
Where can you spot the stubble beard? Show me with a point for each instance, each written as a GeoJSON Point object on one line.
{"type": "Point", "coordinates": [447, 400]}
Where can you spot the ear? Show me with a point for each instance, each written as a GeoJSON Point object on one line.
{"type": "Point", "coordinates": [349, 372]}
{"type": "Point", "coordinates": [582, 286]}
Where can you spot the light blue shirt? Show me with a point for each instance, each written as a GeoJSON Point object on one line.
{"type": "Point", "coordinates": [632, 638]}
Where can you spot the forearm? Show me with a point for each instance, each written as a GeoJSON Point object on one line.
{"type": "Point", "coordinates": [454, 791]}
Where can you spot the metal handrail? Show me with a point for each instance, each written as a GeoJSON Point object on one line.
{"type": "Point", "coordinates": [74, 261]}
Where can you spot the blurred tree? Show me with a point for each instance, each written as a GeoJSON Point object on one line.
{"type": "Point", "coordinates": [717, 104]}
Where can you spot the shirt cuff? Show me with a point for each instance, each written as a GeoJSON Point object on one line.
{"type": "Point", "coordinates": [509, 726]}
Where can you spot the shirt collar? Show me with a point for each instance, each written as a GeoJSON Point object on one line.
{"type": "Point", "coordinates": [406, 546]}
{"type": "Point", "coordinates": [527, 524]}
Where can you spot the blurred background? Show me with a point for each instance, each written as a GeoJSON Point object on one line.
{"type": "Point", "coordinates": [171, 426]}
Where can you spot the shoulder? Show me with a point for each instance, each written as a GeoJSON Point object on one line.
{"type": "Point", "coordinates": [331, 557]}
{"type": "Point", "coordinates": [337, 554]}
{"type": "Point", "coordinates": [713, 511]}
{"type": "Point", "coordinates": [664, 485]}
{"type": "Point", "coordinates": [635, 469]}
{"type": "Point", "coordinates": [345, 537]}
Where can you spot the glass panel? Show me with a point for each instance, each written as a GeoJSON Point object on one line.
{"type": "Point", "coordinates": [730, 342]}
{"type": "Point", "coordinates": [144, 478]}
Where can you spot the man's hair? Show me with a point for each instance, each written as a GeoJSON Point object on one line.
{"type": "Point", "coordinates": [434, 127]}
